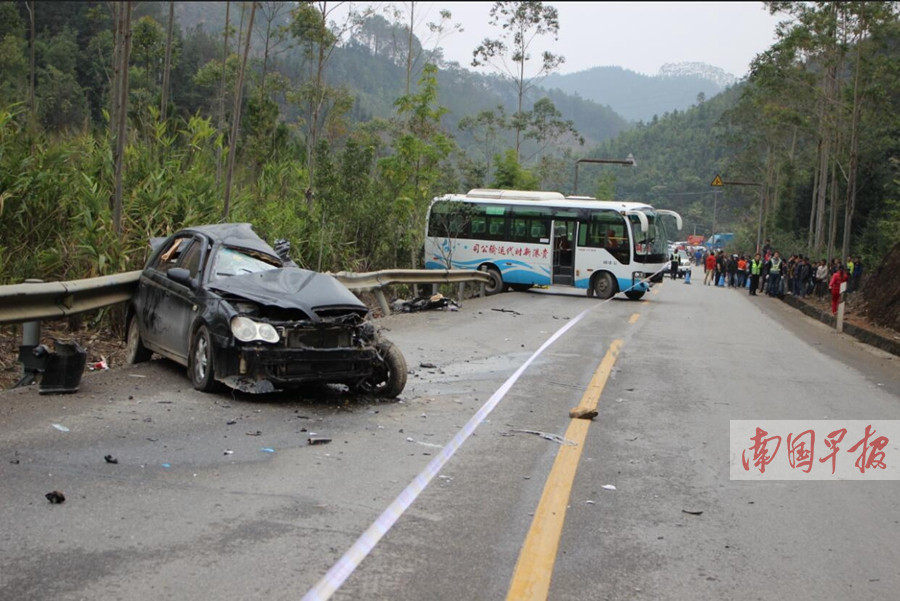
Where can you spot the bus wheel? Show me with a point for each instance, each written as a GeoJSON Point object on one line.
{"type": "Point", "coordinates": [604, 285]}
{"type": "Point", "coordinates": [635, 294]}
{"type": "Point", "coordinates": [520, 287]}
{"type": "Point", "coordinates": [496, 284]}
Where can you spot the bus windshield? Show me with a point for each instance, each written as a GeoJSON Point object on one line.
{"type": "Point", "coordinates": [650, 246]}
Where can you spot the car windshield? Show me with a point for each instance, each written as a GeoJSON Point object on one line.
{"type": "Point", "coordinates": [238, 261]}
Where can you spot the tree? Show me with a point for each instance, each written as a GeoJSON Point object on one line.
{"type": "Point", "coordinates": [522, 23]}
{"type": "Point", "coordinates": [485, 127]}
{"type": "Point", "coordinates": [119, 121]}
{"type": "Point", "coordinates": [170, 29]}
{"type": "Point", "coordinates": [544, 124]}
{"type": "Point", "coordinates": [412, 172]}
{"type": "Point", "coordinates": [236, 116]}
{"type": "Point", "coordinates": [275, 35]}
{"type": "Point", "coordinates": [318, 40]}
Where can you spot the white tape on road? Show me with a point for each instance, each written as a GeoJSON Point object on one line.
{"type": "Point", "coordinates": [345, 566]}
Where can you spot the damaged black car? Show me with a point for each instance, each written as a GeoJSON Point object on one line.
{"type": "Point", "coordinates": [222, 302]}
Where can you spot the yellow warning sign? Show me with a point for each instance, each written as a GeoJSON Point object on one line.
{"type": "Point", "coordinates": [717, 182]}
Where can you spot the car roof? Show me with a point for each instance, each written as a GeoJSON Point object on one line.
{"type": "Point", "coordinates": [232, 234]}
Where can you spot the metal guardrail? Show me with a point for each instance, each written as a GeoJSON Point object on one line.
{"type": "Point", "coordinates": [52, 300]}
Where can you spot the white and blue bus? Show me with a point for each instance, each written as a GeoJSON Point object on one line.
{"type": "Point", "coordinates": [525, 239]}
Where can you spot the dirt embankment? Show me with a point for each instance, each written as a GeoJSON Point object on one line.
{"type": "Point", "coordinates": [881, 292]}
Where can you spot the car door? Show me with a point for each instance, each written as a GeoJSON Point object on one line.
{"type": "Point", "coordinates": [171, 305]}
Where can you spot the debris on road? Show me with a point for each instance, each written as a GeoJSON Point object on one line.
{"type": "Point", "coordinates": [583, 413]}
{"type": "Point", "coordinates": [318, 440]}
{"type": "Point", "coordinates": [229, 452]}
{"type": "Point", "coordinates": [60, 427]}
{"type": "Point", "coordinates": [689, 512]}
{"type": "Point", "coordinates": [506, 311]}
{"type": "Point", "coordinates": [267, 450]}
{"type": "Point", "coordinates": [55, 497]}
{"type": "Point", "coordinates": [99, 365]}
{"type": "Point", "coordinates": [110, 459]}
{"type": "Point", "coordinates": [257, 433]}
{"type": "Point", "coordinates": [551, 437]}
{"type": "Point", "coordinates": [425, 303]}
{"type": "Point", "coordinates": [428, 365]}
{"type": "Point", "coordinates": [608, 487]}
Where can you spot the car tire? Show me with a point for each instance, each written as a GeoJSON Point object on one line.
{"type": "Point", "coordinates": [604, 285]}
{"type": "Point", "coordinates": [496, 285]}
{"type": "Point", "coordinates": [135, 351]}
{"type": "Point", "coordinates": [389, 378]}
{"type": "Point", "coordinates": [200, 363]}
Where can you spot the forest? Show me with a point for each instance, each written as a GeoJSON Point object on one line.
{"type": "Point", "coordinates": [333, 131]}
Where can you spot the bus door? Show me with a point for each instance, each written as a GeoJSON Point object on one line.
{"type": "Point", "coordinates": [564, 235]}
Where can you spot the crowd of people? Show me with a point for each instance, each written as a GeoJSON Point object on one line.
{"type": "Point", "coordinates": [770, 273]}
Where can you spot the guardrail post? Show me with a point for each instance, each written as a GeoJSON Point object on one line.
{"type": "Point", "coordinates": [382, 302]}
{"type": "Point", "coordinates": [840, 311]}
{"type": "Point", "coordinates": [462, 292]}
{"type": "Point", "coordinates": [31, 338]}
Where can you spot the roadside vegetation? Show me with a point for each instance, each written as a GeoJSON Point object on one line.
{"type": "Point", "coordinates": [117, 125]}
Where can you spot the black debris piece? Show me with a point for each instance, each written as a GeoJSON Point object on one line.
{"type": "Point", "coordinates": [425, 303]}
{"type": "Point", "coordinates": [110, 459]}
{"type": "Point", "coordinates": [55, 497]}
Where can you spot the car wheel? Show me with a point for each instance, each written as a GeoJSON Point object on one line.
{"type": "Point", "coordinates": [389, 378]}
{"type": "Point", "coordinates": [496, 285]}
{"type": "Point", "coordinates": [604, 285]}
{"type": "Point", "coordinates": [135, 351]}
{"type": "Point", "coordinates": [634, 294]}
{"type": "Point", "coordinates": [200, 365]}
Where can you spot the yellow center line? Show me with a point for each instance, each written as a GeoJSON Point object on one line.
{"type": "Point", "coordinates": [534, 568]}
{"type": "Point", "coordinates": [634, 318]}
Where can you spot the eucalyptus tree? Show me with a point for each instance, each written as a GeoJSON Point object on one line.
{"type": "Point", "coordinates": [521, 23]}
{"type": "Point", "coordinates": [485, 128]}
{"type": "Point", "coordinates": [835, 41]}
{"type": "Point", "coordinates": [167, 67]}
{"type": "Point", "coordinates": [411, 174]}
{"type": "Point", "coordinates": [119, 121]}
{"type": "Point", "coordinates": [236, 116]}
{"type": "Point", "coordinates": [318, 35]}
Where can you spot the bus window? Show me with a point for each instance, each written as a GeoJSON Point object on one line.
{"type": "Point", "coordinates": [537, 230]}
{"type": "Point", "coordinates": [496, 222]}
{"type": "Point", "coordinates": [519, 229]}
{"type": "Point", "coordinates": [607, 229]}
{"type": "Point", "coordinates": [450, 219]}
{"type": "Point", "coordinates": [536, 221]}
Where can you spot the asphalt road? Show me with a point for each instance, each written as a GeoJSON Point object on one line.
{"type": "Point", "coordinates": [221, 496]}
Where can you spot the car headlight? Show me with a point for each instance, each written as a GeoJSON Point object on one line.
{"type": "Point", "coordinates": [247, 330]}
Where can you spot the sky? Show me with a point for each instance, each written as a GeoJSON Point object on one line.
{"type": "Point", "coordinates": [639, 36]}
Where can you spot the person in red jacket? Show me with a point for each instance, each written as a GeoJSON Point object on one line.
{"type": "Point", "coordinates": [710, 267]}
{"type": "Point", "coordinates": [839, 277]}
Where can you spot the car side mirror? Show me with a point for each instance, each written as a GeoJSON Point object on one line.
{"type": "Point", "coordinates": [181, 276]}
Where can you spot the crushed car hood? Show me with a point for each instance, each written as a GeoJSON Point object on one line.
{"type": "Point", "coordinates": [291, 288]}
